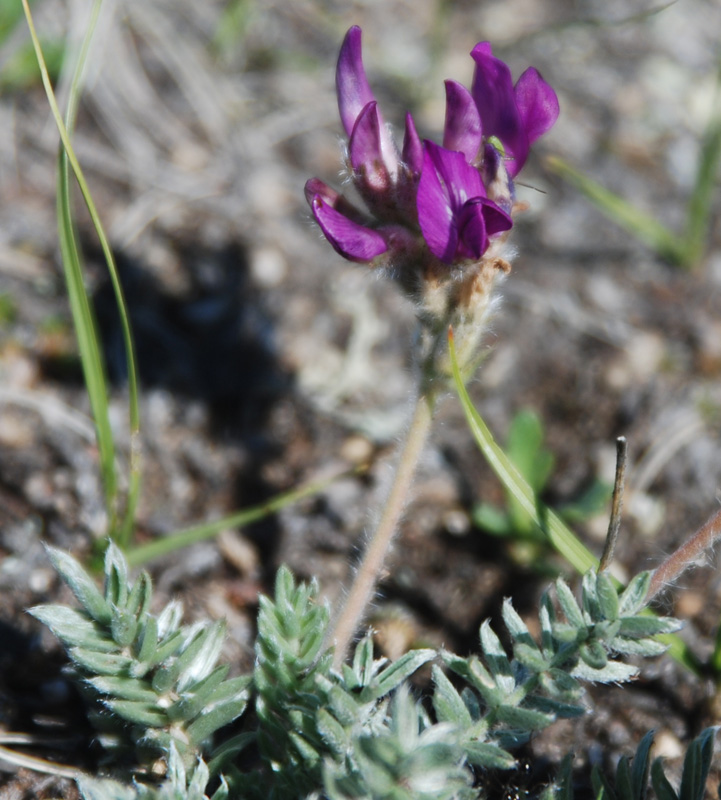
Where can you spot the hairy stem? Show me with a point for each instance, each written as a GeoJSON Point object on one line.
{"type": "Point", "coordinates": [366, 578]}
{"type": "Point", "coordinates": [686, 555]}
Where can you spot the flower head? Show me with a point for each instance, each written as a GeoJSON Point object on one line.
{"type": "Point", "coordinates": [431, 206]}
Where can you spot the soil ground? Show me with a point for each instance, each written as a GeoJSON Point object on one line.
{"type": "Point", "coordinates": [266, 360]}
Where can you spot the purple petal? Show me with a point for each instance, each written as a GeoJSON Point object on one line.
{"type": "Point", "coordinates": [461, 180]}
{"type": "Point", "coordinates": [354, 242]}
{"type": "Point", "coordinates": [354, 91]}
{"type": "Point", "coordinates": [435, 215]}
{"type": "Point", "coordinates": [462, 130]}
{"type": "Point", "coordinates": [472, 234]}
{"type": "Point", "coordinates": [447, 183]}
{"type": "Point", "coordinates": [330, 197]}
{"type": "Point", "coordinates": [412, 147]}
{"type": "Point", "coordinates": [496, 219]}
{"type": "Point", "coordinates": [493, 92]}
{"type": "Point", "coordinates": [364, 149]}
{"type": "Point", "coordinates": [537, 104]}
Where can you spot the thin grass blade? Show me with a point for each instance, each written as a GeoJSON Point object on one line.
{"type": "Point", "coordinates": [644, 227]}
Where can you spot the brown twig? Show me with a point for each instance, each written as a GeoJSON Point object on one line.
{"type": "Point", "coordinates": [686, 555]}
{"type": "Point", "coordinates": [615, 522]}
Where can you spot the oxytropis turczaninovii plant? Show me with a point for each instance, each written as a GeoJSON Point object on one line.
{"type": "Point", "coordinates": [163, 709]}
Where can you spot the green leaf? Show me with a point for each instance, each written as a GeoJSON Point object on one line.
{"type": "Point", "coordinates": [633, 597]}
{"type": "Point", "coordinates": [492, 519]}
{"type": "Point", "coordinates": [640, 767]}
{"type": "Point", "coordinates": [496, 658]}
{"type": "Point", "coordinates": [116, 577]}
{"type": "Point", "coordinates": [100, 663]}
{"type": "Point", "coordinates": [525, 449]}
{"type": "Point", "coordinates": [696, 766]}
{"type": "Point", "coordinates": [81, 585]}
{"type": "Point", "coordinates": [363, 664]}
{"type": "Point", "coordinates": [660, 783]}
{"type": "Point", "coordinates": [642, 627]}
{"type": "Point", "coordinates": [525, 719]}
{"type": "Point", "coordinates": [447, 702]}
{"type": "Point", "coordinates": [125, 688]}
{"type": "Point", "coordinates": [73, 628]}
{"type": "Point", "coordinates": [568, 604]}
{"type": "Point", "coordinates": [594, 654]}
{"type": "Point", "coordinates": [392, 676]}
{"type": "Point", "coordinates": [613, 672]}
{"type": "Point", "coordinates": [206, 724]}
{"type": "Point", "coordinates": [335, 736]}
{"type": "Point", "coordinates": [607, 596]}
{"type": "Point", "coordinates": [123, 627]}
{"type": "Point", "coordinates": [489, 755]}
{"type": "Point", "coordinates": [139, 713]}
{"type": "Point", "coordinates": [560, 537]}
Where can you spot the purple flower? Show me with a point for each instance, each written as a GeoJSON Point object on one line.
{"type": "Point", "coordinates": [430, 204]}
{"type": "Point", "coordinates": [379, 170]}
{"type": "Point", "coordinates": [455, 215]}
{"type": "Point", "coordinates": [516, 115]}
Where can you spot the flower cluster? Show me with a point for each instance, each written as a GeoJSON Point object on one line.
{"type": "Point", "coordinates": [432, 206]}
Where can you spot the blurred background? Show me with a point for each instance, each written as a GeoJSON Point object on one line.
{"type": "Point", "coordinates": [267, 360]}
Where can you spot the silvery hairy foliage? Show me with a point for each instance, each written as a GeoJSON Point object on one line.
{"type": "Point", "coordinates": [163, 708]}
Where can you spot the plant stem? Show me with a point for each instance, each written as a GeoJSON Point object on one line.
{"type": "Point", "coordinates": [366, 578]}
{"type": "Point", "coordinates": [689, 552]}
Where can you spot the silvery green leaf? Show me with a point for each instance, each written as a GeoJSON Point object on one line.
{"type": "Point", "coordinates": [169, 619]}
{"type": "Point", "coordinates": [556, 707]}
{"type": "Point", "coordinates": [546, 618]}
{"type": "Point", "coordinates": [148, 640]}
{"type": "Point", "coordinates": [166, 649]}
{"type": "Point", "coordinates": [613, 672]}
{"type": "Point", "coordinates": [100, 663]}
{"type": "Point", "coordinates": [116, 576]}
{"type": "Point", "coordinates": [569, 605]}
{"type": "Point", "coordinates": [496, 658]}
{"type": "Point", "coordinates": [73, 627]}
{"type": "Point", "coordinates": [633, 596]}
{"type": "Point", "coordinates": [516, 626]}
{"type": "Point", "coordinates": [104, 789]}
{"type": "Point", "coordinates": [165, 678]}
{"type": "Point", "coordinates": [141, 596]}
{"type": "Point", "coordinates": [201, 655]}
{"type": "Point", "coordinates": [588, 594]}
{"type": "Point", "coordinates": [489, 755]}
{"type": "Point", "coordinates": [642, 627]}
{"type": "Point", "coordinates": [230, 690]}
{"type": "Point", "coordinates": [594, 654]}
{"type": "Point", "coordinates": [530, 657]}
{"type": "Point", "coordinates": [525, 719]}
{"type": "Point", "coordinates": [343, 705]}
{"type": "Point", "coordinates": [472, 703]}
{"type": "Point", "coordinates": [306, 750]}
{"type": "Point", "coordinates": [206, 724]}
{"type": "Point", "coordinates": [559, 684]}
{"type": "Point", "coordinates": [638, 647]}
{"type": "Point", "coordinates": [139, 713]}
{"type": "Point", "coordinates": [447, 702]}
{"type": "Point", "coordinates": [363, 661]}
{"type": "Point", "coordinates": [394, 674]}
{"type": "Point", "coordinates": [566, 633]}
{"type": "Point", "coordinates": [124, 688]}
{"type": "Point", "coordinates": [81, 585]}
{"type": "Point", "coordinates": [482, 680]}
{"type": "Point", "coordinates": [607, 596]}
{"type": "Point", "coordinates": [335, 736]}
{"type": "Point", "coordinates": [190, 704]}
{"type": "Point", "coordinates": [198, 781]}
{"type": "Point", "coordinates": [123, 627]}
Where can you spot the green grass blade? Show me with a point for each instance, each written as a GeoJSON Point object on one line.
{"type": "Point", "coordinates": [137, 556]}
{"type": "Point", "coordinates": [562, 539]}
{"type": "Point", "coordinates": [645, 228]}
{"type": "Point", "coordinates": [124, 532]}
{"type": "Point", "coordinates": [701, 201]}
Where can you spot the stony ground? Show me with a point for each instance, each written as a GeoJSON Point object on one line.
{"type": "Point", "coordinates": [266, 361]}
